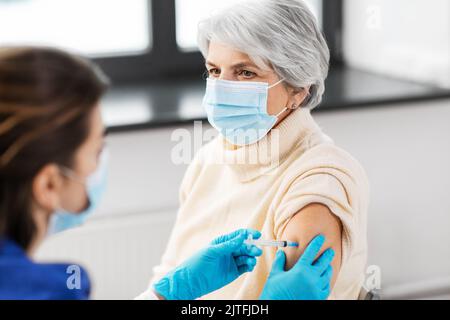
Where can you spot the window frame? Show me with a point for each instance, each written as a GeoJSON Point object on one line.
{"type": "Point", "coordinates": [166, 60]}
{"type": "Point", "coordinates": [332, 17]}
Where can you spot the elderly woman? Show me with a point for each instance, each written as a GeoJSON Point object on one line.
{"type": "Point", "coordinates": [267, 61]}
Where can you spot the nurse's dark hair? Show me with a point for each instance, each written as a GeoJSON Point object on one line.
{"type": "Point", "coordinates": [46, 101]}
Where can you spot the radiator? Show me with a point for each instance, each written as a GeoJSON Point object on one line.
{"type": "Point", "coordinates": [118, 252]}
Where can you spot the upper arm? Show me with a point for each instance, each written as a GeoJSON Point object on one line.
{"type": "Point", "coordinates": [310, 221]}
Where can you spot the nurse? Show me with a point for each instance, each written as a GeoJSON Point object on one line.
{"type": "Point", "coordinates": [52, 172]}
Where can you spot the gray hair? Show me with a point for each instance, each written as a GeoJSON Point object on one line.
{"type": "Point", "coordinates": [281, 34]}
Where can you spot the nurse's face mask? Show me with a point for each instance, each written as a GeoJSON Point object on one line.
{"type": "Point", "coordinates": [238, 109]}
{"type": "Point", "coordinates": [94, 185]}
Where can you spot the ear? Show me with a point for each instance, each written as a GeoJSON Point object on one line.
{"type": "Point", "coordinates": [46, 187]}
{"type": "Point", "coordinates": [298, 96]}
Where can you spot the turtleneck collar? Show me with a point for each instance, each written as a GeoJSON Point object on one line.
{"type": "Point", "coordinates": [252, 161]}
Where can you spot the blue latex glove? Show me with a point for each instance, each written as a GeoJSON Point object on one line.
{"type": "Point", "coordinates": [307, 280]}
{"type": "Point", "coordinates": [223, 261]}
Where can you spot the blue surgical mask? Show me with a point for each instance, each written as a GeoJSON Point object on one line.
{"type": "Point", "coordinates": [238, 110]}
{"type": "Point", "coordinates": [95, 186]}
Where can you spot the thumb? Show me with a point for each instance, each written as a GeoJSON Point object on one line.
{"type": "Point", "coordinates": [279, 262]}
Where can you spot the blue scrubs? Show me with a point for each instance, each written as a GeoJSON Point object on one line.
{"type": "Point", "coordinates": [21, 278]}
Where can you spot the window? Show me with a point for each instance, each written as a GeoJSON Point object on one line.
{"type": "Point", "coordinates": [132, 40]}
{"type": "Point", "coordinates": [190, 13]}
{"type": "Point", "coordinates": [92, 27]}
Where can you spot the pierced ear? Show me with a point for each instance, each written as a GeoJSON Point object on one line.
{"type": "Point", "coordinates": [299, 96]}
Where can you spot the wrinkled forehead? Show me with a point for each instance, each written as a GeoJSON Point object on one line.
{"type": "Point", "coordinates": [225, 55]}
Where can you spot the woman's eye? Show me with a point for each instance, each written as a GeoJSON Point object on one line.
{"type": "Point", "coordinates": [247, 74]}
{"type": "Point", "coordinates": [214, 72]}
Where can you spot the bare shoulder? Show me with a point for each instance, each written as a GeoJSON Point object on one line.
{"type": "Point", "coordinates": [310, 221]}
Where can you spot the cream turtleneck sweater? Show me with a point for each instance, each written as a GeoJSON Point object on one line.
{"type": "Point", "coordinates": [225, 189]}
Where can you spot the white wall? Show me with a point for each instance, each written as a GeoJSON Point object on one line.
{"type": "Point", "coordinates": [141, 177]}
{"type": "Point", "coordinates": [409, 39]}
{"type": "Point", "coordinates": [404, 148]}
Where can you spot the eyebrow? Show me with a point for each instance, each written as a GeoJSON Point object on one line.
{"type": "Point", "coordinates": [237, 65]}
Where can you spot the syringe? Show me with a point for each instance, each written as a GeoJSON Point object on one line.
{"type": "Point", "coordinates": [269, 243]}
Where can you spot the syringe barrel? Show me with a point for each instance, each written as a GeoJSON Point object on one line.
{"type": "Point", "coordinates": [266, 243]}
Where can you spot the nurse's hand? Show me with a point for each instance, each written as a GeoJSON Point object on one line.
{"type": "Point", "coordinates": [222, 262]}
{"type": "Point", "coordinates": [307, 280]}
